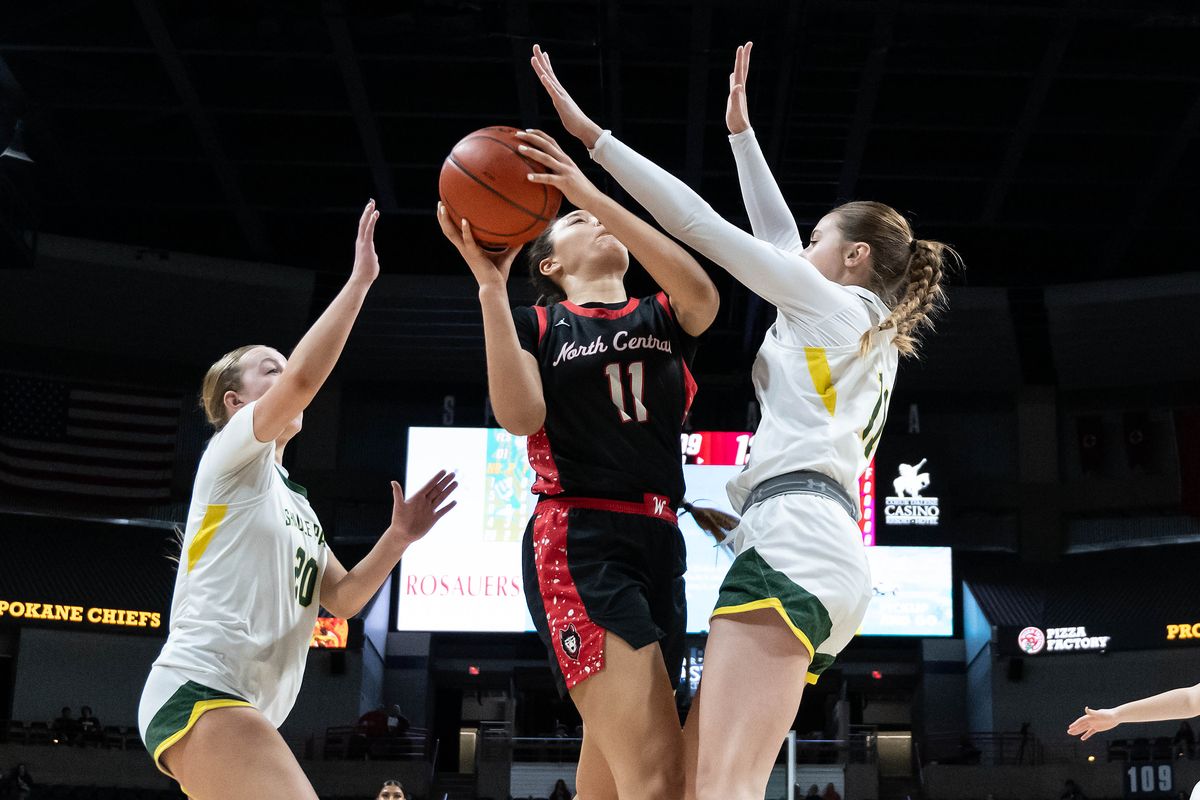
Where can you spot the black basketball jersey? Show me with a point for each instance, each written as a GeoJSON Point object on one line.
{"type": "Point", "coordinates": [617, 387]}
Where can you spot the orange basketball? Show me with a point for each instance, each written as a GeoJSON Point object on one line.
{"type": "Point", "coordinates": [483, 179]}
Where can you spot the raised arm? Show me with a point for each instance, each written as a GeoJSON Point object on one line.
{"type": "Point", "coordinates": [784, 279]}
{"type": "Point", "coordinates": [770, 218]}
{"type": "Point", "coordinates": [693, 296]}
{"type": "Point", "coordinates": [317, 353]}
{"type": "Point", "coordinates": [1174, 704]}
{"type": "Point", "coordinates": [514, 384]}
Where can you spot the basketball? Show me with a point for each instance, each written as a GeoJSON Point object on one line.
{"type": "Point", "coordinates": [483, 179]}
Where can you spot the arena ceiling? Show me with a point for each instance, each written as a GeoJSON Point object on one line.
{"type": "Point", "coordinates": [1051, 141]}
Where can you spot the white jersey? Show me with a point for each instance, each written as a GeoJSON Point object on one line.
{"type": "Point", "coordinates": [823, 405]}
{"type": "Point", "coordinates": [248, 586]}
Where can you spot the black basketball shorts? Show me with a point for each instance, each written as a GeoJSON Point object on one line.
{"type": "Point", "coordinates": [593, 566]}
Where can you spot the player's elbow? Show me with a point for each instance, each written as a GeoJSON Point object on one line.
{"type": "Point", "coordinates": [1193, 700]}
{"type": "Point", "coordinates": [520, 426]}
{"type": "Point", "coordinates": [524, 419]}
{"type": "Point", "coordinates": [338, 606]}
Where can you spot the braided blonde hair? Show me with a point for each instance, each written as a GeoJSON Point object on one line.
{"type": "Point", "coordinates": [907, 272]}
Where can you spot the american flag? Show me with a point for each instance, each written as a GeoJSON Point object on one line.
{"type": "Point", "coordinates": [87, 440]}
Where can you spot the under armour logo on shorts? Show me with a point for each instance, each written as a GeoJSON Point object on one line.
{"type": "Point", "coordinates": [570, 641]}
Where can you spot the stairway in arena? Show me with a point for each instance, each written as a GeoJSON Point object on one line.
{"type": "Point", "coordinates": [899, 788]}
{"type": "Point", "coordinates": [453, 786]}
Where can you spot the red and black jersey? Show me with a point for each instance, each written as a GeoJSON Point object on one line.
{"type": "Point", "coordinates": [617, 386]}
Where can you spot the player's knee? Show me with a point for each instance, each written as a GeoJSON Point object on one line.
{"type": "Point", "coordinates": [661, 773]}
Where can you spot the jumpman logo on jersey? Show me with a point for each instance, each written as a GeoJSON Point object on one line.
{"type": "Point", "coordinates": [562, 322]}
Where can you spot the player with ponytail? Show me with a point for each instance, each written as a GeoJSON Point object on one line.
{"type": "Point", "coordinates": [850, 304]}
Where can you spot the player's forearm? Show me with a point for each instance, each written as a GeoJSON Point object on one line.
{"type": "Point", "coordinates": [1175, 704]}
{"type": "Point", "coordinates": [770, 218]}
{"type": "Point", "coordinates": [359, 585]}
{"type": "Point", "coordinates": [783, 279]}
{"type": "Point", "coordinates": [693, 295]}
{"type": "Point", "coordinates": [514, 385]}
{"type": "Point", "coordinates": [310, 362]}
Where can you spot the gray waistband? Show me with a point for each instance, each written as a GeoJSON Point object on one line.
{"type": "Point", "coordinates": [803, 482]}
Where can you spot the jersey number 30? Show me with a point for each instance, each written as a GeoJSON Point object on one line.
{"type": "Point", "coordinates": [637, 380]}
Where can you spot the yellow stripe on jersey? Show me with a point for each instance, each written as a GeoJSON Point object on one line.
{"type": "Point", "coordinates": [818, 367]}
{"type": "Point", "coordinates": [213, 516]}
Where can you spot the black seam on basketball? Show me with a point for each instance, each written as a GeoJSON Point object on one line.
{"type": "Point", "coordinates": [535, 168]}
{"type": "Point", "coordinates": [478, 228]}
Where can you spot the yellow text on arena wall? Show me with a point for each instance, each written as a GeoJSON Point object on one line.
{"type": "Point", "coordinates": [54, 612]}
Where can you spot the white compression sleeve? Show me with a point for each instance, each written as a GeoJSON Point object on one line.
{"type": "Point", "coordinates": [786, 280]}
{"type": "Point", "coordinates": [770, 218]}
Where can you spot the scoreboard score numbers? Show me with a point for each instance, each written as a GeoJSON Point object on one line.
{"type": "Point", "coordinates": [1151, 780]}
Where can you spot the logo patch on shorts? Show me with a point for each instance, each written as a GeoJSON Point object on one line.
{"type": "Point", "coordinates": [570, 641]}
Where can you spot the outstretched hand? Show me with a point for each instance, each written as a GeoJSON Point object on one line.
{"type": "Point", "coordinates": [412, 517]}
{"type": "Point", "coordinates": [577, 123]}
{"type": "Point", "coordinates": [563, 173]}
{"type": "Point", "coordinates": [490, 269]}
{"type": "Point", "coordinates": [1093, 722]}
{"type": "Point", "coordinates": [366, 262]}
{"type": "Point", "coordinates": [737, 113]}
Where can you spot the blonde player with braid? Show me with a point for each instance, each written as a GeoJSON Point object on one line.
{"type": "Point", "coordinates": [850, 304]}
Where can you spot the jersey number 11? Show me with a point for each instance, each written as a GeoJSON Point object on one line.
{"type": "Point", "coordinates": [637, 380]}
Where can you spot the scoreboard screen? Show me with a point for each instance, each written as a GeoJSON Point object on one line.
{"type": "Point", "coordinates": [465, 575]}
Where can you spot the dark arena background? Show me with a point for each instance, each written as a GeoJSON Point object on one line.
{"type": "Point", "coordinates": [179, 179]}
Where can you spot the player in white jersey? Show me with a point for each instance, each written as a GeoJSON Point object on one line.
{"type": "Point", "coordinates": [848, 306]}
{"type": "Point", "coordinates": [255, 567]}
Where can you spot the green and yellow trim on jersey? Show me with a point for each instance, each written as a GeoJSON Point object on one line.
{"type": "Point", "coordinates": [179, 715]}
{"type": "Point", "coordinates": [752, 584]}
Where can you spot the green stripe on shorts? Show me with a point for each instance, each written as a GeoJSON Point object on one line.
{"type": "Point", "coordinates": [751, 580]}
{"type": "Point", "coordinates": [176, 714]}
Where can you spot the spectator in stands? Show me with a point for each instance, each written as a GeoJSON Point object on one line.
{"type": "Point", "coordinates": [65, 727]}
{"type": "Point", "coordinates": [1185, 740]}
{"type": "Point", "coordinates": [397, 723]}
{"type": "Point", "coordinates": [18, 784]}
{"type": "Point", "coordinates": [1071, 791]}
{"type": "Point", "coordinates": [89, 728]}
{"type": "Point", "coordinates": [813, 793]}
{"type": "Point", "coordinates": [830, 793]}
{"type": "Point", "coordinates": [392, 790]}
{"type": "Point", "coordinates": [374, 722]}
{"type": "Point", "coordinates": [561, 792]}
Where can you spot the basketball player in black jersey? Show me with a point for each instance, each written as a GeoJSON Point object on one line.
{"type": "Point", "coordinates": [599, 382]}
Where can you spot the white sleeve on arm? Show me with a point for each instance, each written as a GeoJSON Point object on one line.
{"type": "Point", "coordinates": [770, 217]}
{"type": "Point", "coordinates": [786, 280]}
{"type": "Point", "coordinates": [235, 445]}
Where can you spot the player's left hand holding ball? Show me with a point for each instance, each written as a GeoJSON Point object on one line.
{"type": "Point", "coordinates": [412, 517]}
{"type": "Point", "coordinates": [489, 268]}
{"type": "Point", "coordinates": [564, 174]}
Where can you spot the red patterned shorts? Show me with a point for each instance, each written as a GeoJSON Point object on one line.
{"type": "Point", "coordinates": [597, 566]}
